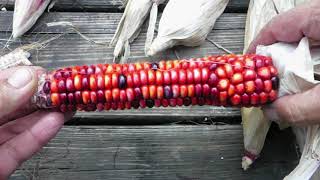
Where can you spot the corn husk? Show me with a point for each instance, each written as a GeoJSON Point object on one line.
{"type": "Point", "coordinates": [26, 13]}
{"type": "Point", "coordinates": [186, 23]}
{"type": "Point", "coordinates": [255, 125]}
{"type": "Point", "coordinates": [15, 58]}
{"type": "Point", "coordinates": [135, 14]}
{"type": "Point", "coordinates": [296, 69]}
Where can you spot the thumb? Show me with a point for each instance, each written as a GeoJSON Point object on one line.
{"type": "Point", "coordinates": [299, 109]}
{"type": "Point", "coordinates": [16, 90]}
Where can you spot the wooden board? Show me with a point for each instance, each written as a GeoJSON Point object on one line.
{"type": "Point", "coordinates": [72, 49]}
{"type": "Point", "coordinates": [192, 115]}
{"type": "Point", "coordinates": [112, 5]}
{"type": "Point", "coordinates": [103, 23]}
{"type": "Point", "coordinates": [157, 152]}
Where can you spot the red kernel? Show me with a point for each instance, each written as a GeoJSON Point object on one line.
{"type": "Point", "coordinates": [166, 78]}
{"type": "Point", "coordinates": [264, 73]}
{"type": "Point", "coordinates": [189, 76]}
{"type": "Point", "coordinates": [108, 95]}
{"type": "Point", "coordinates": [77, 82]}
{"type": "Point", "coordinates": [145, 92]}
{"type": "Point", "coordinates": [153, 92]}
{"type": "Point", "coordinates": [267, 85]}
{"type": "Point", "coordinates": [107, 81]}
{"type": "Point", "coordinates": [160, 92]}
{"type": "Point", "coordinates": [143, 77]}
{"type": "Point", "coordinates": [93, 82]}
{"type": "Point", "coordinates": [223, 84]}
{"type": "Point", "coordinates": [116, 94]}
{"type": "Point", "coordinates": [204, 75]}
{"type": "Point", "coordinates": [159, 78]}
{"type": "Point", "coordinates": [174, 76]}
{"type": "Point", "coordinates": [123, 95]}
{"type": "Point", "coordinates": [182, 76]}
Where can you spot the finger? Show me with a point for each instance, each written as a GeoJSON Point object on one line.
{"type": "Point", "coordinates": [6, 73]}
{"type": "Point", "coordinates": [299, 109]}
{"type": "Point", "coordinates": [16, 91]}
{"type": "Point", "coordinates": [13, 128]}
{"type": "Point", "coordinates": [290, 27]}
{"type": "Point", "coordinates": [23, 111]}
{"type": "Point", "coordinates": [23, 146]}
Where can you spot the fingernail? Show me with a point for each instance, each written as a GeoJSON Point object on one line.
{"type": "Point", "coordinates": [20, 78]}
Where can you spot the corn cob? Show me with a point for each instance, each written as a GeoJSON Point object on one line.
{"type": "Point", "coordinates": [227, 80]}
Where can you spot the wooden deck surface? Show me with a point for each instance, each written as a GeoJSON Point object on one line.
{"type": "Point", "coordinates": [157, 152]}
{"type": "Point", "coordinates": [159, 143]}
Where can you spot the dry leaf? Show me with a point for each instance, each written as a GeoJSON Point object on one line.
{"type": "Point", "coordinates": [186, 23]}
{"type": "Point", "coordinates": [130, 24]}
{"type": "Point", "coordinates": [26, 13]}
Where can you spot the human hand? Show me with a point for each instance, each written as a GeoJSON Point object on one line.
{"type": "Point", "coordinates": [23, 130]}
{"type": "Point", "coordinates": [291, 26]}
{"type": "Point", "coordinates": [304, 21]}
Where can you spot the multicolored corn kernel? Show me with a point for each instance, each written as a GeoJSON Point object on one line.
{"type": "Point", "coordinates": [228, 80]}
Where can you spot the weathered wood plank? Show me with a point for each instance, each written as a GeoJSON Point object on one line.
{"type": "Point", "coordinates": [157, 152]}
{"type": "Point", "coordinates": [105, 23]}
{"type": "Point", "coordinates": [191, 115]}
{"type": "Point", "coordinates": [113, 5]}
{"type": "Point", "coordinates": [71, 49]}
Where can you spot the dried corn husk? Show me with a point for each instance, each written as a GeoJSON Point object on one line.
{"type": "Point", "coordinates": [15, 58]}
{"type": "Point", "coordinates": [297, 77]}
{"type": "Point", "coordinates": [186, 23]}
{"type": "Point", "coordinates": [26, 13]}
{"type": "Point", "coordinates": [130, 24]}
{"type": "Point", "coordinates": [296, 71]}
{"type": "Point", "coordinates": [255, 125]}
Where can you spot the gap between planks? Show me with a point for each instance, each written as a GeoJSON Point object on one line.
{"type": "Point", "coordinates": [158, 152]}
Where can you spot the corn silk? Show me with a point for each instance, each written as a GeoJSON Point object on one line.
{"type": "Point", "coordinates": [186, 23]}
{"type": "Point", "coordinates": [129, 27]}
{"type": "Point", "coordinates": [26, 14]}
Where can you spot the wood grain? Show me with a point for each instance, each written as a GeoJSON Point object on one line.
{"type": "Point", "coordinates": [113, 5]}
{"type": "Point", "coordinates": [157, 152]}
{"type": "Point", "coordinates": [104, 23]}
{"type": "Point", "coordinates": [72, 49]}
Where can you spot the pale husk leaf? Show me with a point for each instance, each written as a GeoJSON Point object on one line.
{"type": "Point", "coordinates": [26, 13]}
{"type": "Point", "coordinates": [296, 71]}
{"type": "Point", "coordinates": [186, 23]}
{"type": "Point", "coordinates": [129, 27]}
{"type": "Point", "coordinates": [255, 125]}
{"type": "Point", "coordinates": [260, 12]}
